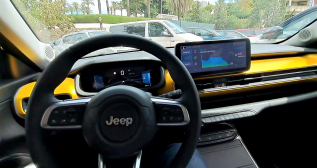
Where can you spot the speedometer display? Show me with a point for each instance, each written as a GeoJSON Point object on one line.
{"type": "Point", "coordinates": [132, 76]}
{"type": "Point", "coordinates": [142, 74]}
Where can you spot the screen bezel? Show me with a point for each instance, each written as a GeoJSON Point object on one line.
{"type": "Point", "coordinates": [212, 73]}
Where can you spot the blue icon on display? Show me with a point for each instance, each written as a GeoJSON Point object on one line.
{"type": "Point", "coordinates": [146, 77]}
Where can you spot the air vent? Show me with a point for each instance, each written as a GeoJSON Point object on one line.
{"type": "Point", "coordinates": [49, 53]}
{"type": "Point", "coordinates": [251, 79]}
{"type": "Point", "coordinates": [304, 35]}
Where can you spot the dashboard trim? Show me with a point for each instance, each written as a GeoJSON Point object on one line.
{"type": "Point", "coordinates": [256, 107]}
{"type": "Point", "coordinates": [79, 90]}
{"type": "Point", "coordinates": [216, 92]}
{"type": "Point", "coordinates": [66, 87]}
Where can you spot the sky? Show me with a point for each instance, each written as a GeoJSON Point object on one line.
{"type": "Point", "coordinates": [124, 13]}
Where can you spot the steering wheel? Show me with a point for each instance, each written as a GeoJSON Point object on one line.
{"type": "Point", "coordinates": [119, 121]}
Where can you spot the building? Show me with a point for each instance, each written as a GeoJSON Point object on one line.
{"type": "Point", "coordinates": [298, 6]}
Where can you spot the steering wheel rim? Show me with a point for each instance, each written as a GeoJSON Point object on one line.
{"type": "Point", "coordinates": [43, 93]}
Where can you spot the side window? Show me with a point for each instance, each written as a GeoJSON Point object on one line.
{"type": "Point", "coordinates": [248, 32]}
{"type": "Point", "coordinates": [235, 34]}
{"type": "Point", "coordinates": [80, 37]}
{"type": "Point", "coordinates": [191, 31]}
{"type": "Point", "coordinates": [117, 29]}
{"type": "Point", "coordinates": [136, 29]}
{"type": "Point", "coordinates": [68, 40]}
{"type": "Point", "coordinates": [221, 32]}
{"type": "Point", "coordinates": [157, 29]}
{"type": "Point", "coordinates": [257, 32]}
{"type": "Point", "coordinates": [205, 33]}
{"type": "Point", "coordinates": [197, 32]}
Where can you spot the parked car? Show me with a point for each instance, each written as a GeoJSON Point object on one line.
{"type": "Point", "coordinates": [163, 32]}
{"type": "Point", "coordinates": [231, 33]}
{"type": "Point", "coordinates": [73, 38]}
{"type": "Point", "coordinates": [206, 33]}
{"type": "Point", "coordinates": [253, 32]}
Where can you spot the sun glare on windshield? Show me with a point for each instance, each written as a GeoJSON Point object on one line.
{"type": "Point", "coordinates": [62, 23]}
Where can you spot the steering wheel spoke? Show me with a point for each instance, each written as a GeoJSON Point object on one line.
{"type": "Point", "coordinates": [170, 112]}
{"type": "Point", "coordinates": [67, 114]}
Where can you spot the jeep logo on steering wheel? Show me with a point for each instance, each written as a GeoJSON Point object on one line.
{"type": "Point", "coordinates": [122, 121]}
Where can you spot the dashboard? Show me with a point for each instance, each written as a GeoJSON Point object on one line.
{"type": "Point", "coordinates": [142, 70]}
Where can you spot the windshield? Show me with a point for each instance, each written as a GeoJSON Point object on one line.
{"type": "Point", "coordinates": [175, 27]}
{"type": "Point", "coordinates": [62, 23]}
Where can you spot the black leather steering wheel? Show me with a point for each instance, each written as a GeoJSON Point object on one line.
{"type": "Point", "coordinates": [119, 121]}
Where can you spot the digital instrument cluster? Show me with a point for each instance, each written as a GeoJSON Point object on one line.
{"type": "Point", "coordinates": [98, 77]}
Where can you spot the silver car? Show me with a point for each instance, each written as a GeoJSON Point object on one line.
{"type": "Point", "coordinates": [73, 38]}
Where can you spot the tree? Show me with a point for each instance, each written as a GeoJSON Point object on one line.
{"type": "Point", "coordinates": [220, 15]}
{"type": "Point", "coordinates": [83, 9]}
{"type": "Point", "coordinates": [180, 6]}
{"type": "Point", "coordinates": [115, 6]}
{"type": "Point", "coordinates": [86, 4]}
{"type": "Point", "coordinates": [70, 8]}
{"type": "Point", "coordinates": [197, 14]}
{"type": "Point", "coordinates": [76, 7]}
{"type": "Point", "coordinates": [138, 7]}
{"type": "Point", "coordinates": [99, 6]}
{"type": "Point", "coordinates": [43, 16]}
{"type": "Point", "coordinates": [108, 10]}
{"type": "Point", "coordinates": [209, 8]}
{"type": "Point", "coordinates": [267, 13]}
{"type": "Point", "coordinates": [128, 8]}
{"type": "Point", "coordinates": [111, 8]}
{"type": "Point", "coordinates": [63, 5]}
{"type": "Point", "coordinates": [148, 8]}
{"type": "Point", "coordinates": [121, 6]}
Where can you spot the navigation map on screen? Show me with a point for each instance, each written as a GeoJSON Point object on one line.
{"type": "Point", "coordinates": [214, 57]}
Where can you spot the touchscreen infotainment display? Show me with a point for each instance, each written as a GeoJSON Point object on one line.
{"type": "Point", "coordinates": [213, 57]}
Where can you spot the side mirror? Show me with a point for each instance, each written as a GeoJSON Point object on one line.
{"type": "Point", "coordinates": [165, 34]}
{"type": "Point", "coordinates": [273, 33]}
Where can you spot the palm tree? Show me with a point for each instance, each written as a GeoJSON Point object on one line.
{"type": "Point", "coordinates": [108, 10]}
{"type": "Point", "coordinates": [111, 10]}
{"type": "Point", "coordinates": [180, 5]}
{"type": "Point", "coordinates": [76, 7]}
{"type": "Point", "coordinates": [135, 4]}
{"type": "Point", "coordinates": [86, 3]}
{"type": "Point", "coordinates": [63, 4]}
{"type": "Point", "coordinates": [99, 6]}
{"type": "Point", "coordinates": [115, 6]}
{"type": "Point", "coordinates": [70, 8]}
{"type": "Point", "coordinates": [121, 7]}
{"type": "Point", "coordinates": [128, 8]}
{"type": "Point", "coordinates": [83, 9]}
{"type": "Point", "coordinates": [148, 9]}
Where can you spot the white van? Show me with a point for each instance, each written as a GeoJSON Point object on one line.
{"type": "Point", "coordinates": [163, 32]}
